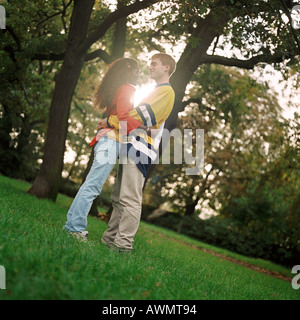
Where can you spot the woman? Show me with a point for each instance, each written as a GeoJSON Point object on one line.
{"type": "Point", "coordinates": [115, 94]}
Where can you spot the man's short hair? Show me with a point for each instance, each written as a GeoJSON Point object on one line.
{"type": "Point", "coordinates": [166, 59]}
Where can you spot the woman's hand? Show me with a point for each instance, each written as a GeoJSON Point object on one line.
{"type": "Point", "coordinates": [102, 124]}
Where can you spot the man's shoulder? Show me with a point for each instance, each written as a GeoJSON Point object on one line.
{"type": "Point", "coordinates": [165, 88]}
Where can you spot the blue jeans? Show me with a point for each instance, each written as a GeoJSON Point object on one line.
{"type": "Point", "coordinates": [106, 152]}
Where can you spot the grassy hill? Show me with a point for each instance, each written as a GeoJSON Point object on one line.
{"type": "Point", "coordinates": [44, 262]}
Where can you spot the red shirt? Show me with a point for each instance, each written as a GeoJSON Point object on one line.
{"type": "Point", "coordinates": [121, 104]}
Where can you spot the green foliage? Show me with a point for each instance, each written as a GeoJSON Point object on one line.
{"type": "Point", "coordinates": [23, 121]}
{"type": "Point", "coordinates": [26, 86]}
{"type": "Point", "coordinates": [251, 174]}
{"type": "Point", "coordinates": [264, 218]}
{"type": "Point", "coordinates": [272, 239]}
{"type": "Point", "coordinates": [269, 208]}
{"type": "Point", "coordinates": [239, 116]}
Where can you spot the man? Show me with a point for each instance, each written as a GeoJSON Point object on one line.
{"type": "Point", "coordinates": [137, 154]}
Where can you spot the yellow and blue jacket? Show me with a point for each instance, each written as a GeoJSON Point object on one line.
{"type": "Point", "coordinates": [152, 112]}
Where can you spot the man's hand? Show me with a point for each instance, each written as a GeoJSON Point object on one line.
{"type": "Point", "coordinates": [102, 124]}
{"type": "Point", "coordinates": [152, 133]}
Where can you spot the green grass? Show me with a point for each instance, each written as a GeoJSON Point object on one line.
{"type": "Point", "coordinates": [44, 262]}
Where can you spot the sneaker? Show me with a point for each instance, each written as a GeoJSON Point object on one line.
{"type": "Point", "coordinates": [114, 248]}
{"type": "Point", "coordinates": [80, 235]}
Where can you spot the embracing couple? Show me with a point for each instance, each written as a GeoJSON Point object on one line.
{"type": "Point", "coordinates": [134, 143]}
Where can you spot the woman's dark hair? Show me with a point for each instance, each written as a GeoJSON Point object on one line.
{"type": "Point", "coordinates": [118, 73]}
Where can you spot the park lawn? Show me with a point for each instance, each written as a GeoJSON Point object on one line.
{"type": "Point", "coordinates": [44, 262]}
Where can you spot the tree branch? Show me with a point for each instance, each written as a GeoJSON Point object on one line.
{"type": "Point", "coordinates": [245, 64]}
{"type": "Point", "coordinates": [99, 32]}
{"type": "Point", "coordinates": [14, 36]}
{"type": "Point", "coordinates": [286, 10]}
{"type": "Point", "coordinates": [60, 56]}
{"type": "Point", "coordinates": [48, 56]}
{"type": "Point", "coordinates": [99, 54]}
{"type": "Point", "coordinates": [62, 12]}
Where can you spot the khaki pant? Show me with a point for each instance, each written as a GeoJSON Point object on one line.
{"type": "Point", "coordinates": [127, 206]}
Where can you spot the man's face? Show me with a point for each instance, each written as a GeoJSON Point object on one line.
{"type": "Point", "coordinates": [157, 70]}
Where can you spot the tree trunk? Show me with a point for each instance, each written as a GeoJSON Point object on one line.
{"type": "Point", "coordinates": [190, 207]}
{"type": "Point", "coordinates": [8, 155]}
{"type": "Point", "coordinates": [190, 60]}
{"type": "Point", "coordinates": [5, 127]}
{"type": "Point", "coordinates": [47, 183]}
{"type": "Point", "coordinates": [118, 46]}
{"type": "Point", "coordinates": [180, 225]}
